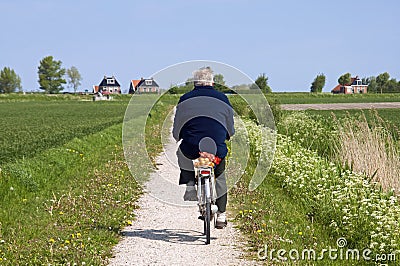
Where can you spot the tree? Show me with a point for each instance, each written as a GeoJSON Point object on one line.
{"type": "Point", "coordinates": [51, 75]}
{"type": "Point", "coordinates": [318, 84]}
{"type": "Point", "coordinates": [9, 80]}
{"type": "Point", "coordinates": [219, 83]}
{"type": "Point", "coordinates": [382, 81]}
{"type": "Point", "coordinates": [219, 80]}
{"type": "Point", "coordinates": [366, 81]}
{"type": "Point", "coordinates": [371, 82]}
{"type": "Point", "coordinates": [74, 78]}
{"type": "Point", "coordinates": [262, 83]}
{"type": "Point", "coordinates": [344, 79]}
{"type": "Point", "coordinates": [392, 86]}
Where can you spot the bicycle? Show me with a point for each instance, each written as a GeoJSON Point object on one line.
{"type": "Point", "coordinates": [206, 193]}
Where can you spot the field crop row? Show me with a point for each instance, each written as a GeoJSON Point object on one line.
{"type": "Point", "coordinates": [28, 128]}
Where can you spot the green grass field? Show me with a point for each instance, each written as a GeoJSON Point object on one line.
{"type": "Point", "coordinates": [390, 115]}
{"type": "Point", "coordinates": [65, 189]}
{"type": "Point", "coordinates": [27, 128]}
{"type": "Point", "coordinates": [303, 97]}
{"type": "Point", "coordinates": [389, 118]}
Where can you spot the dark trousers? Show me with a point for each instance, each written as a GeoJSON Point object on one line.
{"type": "Point", "coordinates": [188, 177]}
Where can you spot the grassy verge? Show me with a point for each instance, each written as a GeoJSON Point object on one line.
{"type": "Point", "coordinates": [271, 219]}
{"type": "Point", "coordinates": [68, 204]}
{"type": "Point", "coordinates": [155, 121]}
{"type": "Point", "coordinates": [307, 203]}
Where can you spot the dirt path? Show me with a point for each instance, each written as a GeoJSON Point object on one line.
{"type": "Point", "coordinates": [340, 106]}
{"type": "Point", "coordinates": [166, 234]}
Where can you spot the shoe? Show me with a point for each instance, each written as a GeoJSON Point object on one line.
{"type": "Point", "coordinates": [221, 220]}
{"type": "Point", "coordinates": [201, 217]}
{"type": "Point", "coordinates": [190, 194]}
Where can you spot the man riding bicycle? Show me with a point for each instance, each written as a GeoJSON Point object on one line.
{"type": "Point", "coordinates": [203, 121]}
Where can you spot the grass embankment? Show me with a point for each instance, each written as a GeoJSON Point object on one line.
{"type": "Point", "coordinates": [155, 122]}
{"type": "Point", "coordinates": [66, 203]}
{"type": "Point", "coordinates": [272, 219]}
{"type": "Point", "coordinates": [309, 200]}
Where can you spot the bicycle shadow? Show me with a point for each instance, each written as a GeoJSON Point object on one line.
{"type": "Point", "coordinates": [186, 237]}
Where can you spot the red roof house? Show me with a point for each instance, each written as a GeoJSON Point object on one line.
{"type": "Point", "coordinates": [355, 86]}
{"type": "Point", "coordinates": [143, 86]}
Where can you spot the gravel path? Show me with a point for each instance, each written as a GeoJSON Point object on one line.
{"type": "Point", "coordinates": [171, 234]}
{"type": "Point", "coordinates": [340, 106]}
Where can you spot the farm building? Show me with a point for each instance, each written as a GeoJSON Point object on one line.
{"type": "Point", "coordinates": [143, 86]}
{"type": "Point", "coordinates": [355, 86]}
{"type": "Point", "coordinates": [109, 85]}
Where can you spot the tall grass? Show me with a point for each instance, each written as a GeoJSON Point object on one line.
{"type": "Point", "coordinates": [364, 143]}
{"type": "Point", "coordinates": [370, 149]}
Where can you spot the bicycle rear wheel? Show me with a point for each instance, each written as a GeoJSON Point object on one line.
{"type": "Point", "coordinates": [207, 228]}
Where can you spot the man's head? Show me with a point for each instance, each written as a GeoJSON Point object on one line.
{"type": "Point", "coordinates": [203, 77]}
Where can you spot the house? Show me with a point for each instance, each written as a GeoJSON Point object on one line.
{"type": "Point", "coordinates": [143, 86]}
{"type": "Point", "coordinates": [133, 85]}
{"type": "Point", "coordinates": [109, 85]}
{"type": "Point", "coordinates": [355, 86]}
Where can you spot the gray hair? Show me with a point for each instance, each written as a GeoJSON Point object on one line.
{"type": "Point", "coordinates": [203, 77]}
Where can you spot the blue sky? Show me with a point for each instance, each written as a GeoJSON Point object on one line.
{"type": "Point", "coordinates": [290, 41]}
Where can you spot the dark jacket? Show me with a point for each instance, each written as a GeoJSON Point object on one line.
{"type": "Point", "coordinates": [203, 115]}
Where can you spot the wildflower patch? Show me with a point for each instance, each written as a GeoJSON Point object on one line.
{"type": "Point", "coordinates": [348, 203]}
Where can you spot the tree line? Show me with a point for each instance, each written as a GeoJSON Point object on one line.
{"type": "Point", "coordinates": [51, 77]}
{"type": "Point", "coordinates": [219, 84]}
{"type": "Point", "coordinates": [379, 84]}
{"type": "Point", "coordinates": [382, 83]}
